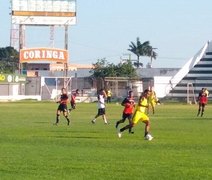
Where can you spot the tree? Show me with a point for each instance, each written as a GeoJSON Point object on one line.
{"type": "Point", "coordinates": [126, 69]}
{"type": "Point", "coordinates": [152, 54]}
{"type": "Point", "coordinates": [104, 69]}
{"type": "Point", "coordinates": [141, 49]}
{"type": "Point", "coordinates": [135, 48]}
{"type": "Point", "coordinates": [9, 59]}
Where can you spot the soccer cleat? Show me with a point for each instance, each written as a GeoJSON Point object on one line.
{"type": "Point", "coordinates": [119, 134]}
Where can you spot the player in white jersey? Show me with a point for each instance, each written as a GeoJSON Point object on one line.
{"type": "Point", "coordinates": [101, 107]}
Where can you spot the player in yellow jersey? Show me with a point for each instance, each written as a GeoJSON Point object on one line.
{"type": "Point", "coordinates": [140, 115]}
{"type": "Point", "coordinates": [152, 100]}
{"type": "Point", "coordinates": [109, 95]}
{"type": "Point", "coordinates": [206, 92]}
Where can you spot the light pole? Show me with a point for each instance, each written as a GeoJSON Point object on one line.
{"type": "Point", "coordinates": [132, 60]}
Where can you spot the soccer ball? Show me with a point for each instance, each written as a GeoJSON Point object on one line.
{"type": "Point", "coordinates": [148, 137]}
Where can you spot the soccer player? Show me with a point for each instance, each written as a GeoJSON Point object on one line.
{"type": "Point", "coordinates": [203, 99]}
{"type": "Point", "coordinates": [129, 105]}
{"type": "Point", "coordinates": [62, 106]}
{"type": "Point", "coordinates": [73, 99]}
{"type": "Point", "coordinates": [140, 115]}
{"type": "Point", "coordinates": [101, 107]}
{"type": "Point", "coordinates": [206, 92]}
{"type": "Point", "coordinates": [152, 100]}
{"type": "Point", "coordinates": [109, 96]}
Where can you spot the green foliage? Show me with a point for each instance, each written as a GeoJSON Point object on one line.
{"type": "Point", "coordinates": [9, 59]}
{"type": "Point", "coordinates": [126, 69]}
{"type": "Point", "coordinates": [8, 52]}
{"type": "Point", "coordinates": [142, 49]}
{"type": "Point", "coordinates": [104, 69]}
{"type": "Point", "coordinates": [32, 148]}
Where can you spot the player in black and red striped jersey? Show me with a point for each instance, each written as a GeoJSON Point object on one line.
{"type": "Point", "coordinates": [203, 100]}
{"type": "Point", "coordinates": [62, 106]}
{"type": "Point", "coordinates": [129, 105]}
{"type": "Point", "coordinates": [73, 99]}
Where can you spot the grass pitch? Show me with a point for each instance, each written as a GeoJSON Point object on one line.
{"type": "Point", "coordinates": [32, 148]}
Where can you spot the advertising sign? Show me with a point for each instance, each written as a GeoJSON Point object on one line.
{"type": "Point", "coordinates": [43, 54]}
{"type": "Point", "coordinates": [44, 12]}
{"type": "Point", "coordinates": [8, 78]}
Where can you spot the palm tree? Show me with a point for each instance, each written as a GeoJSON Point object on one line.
{"type": "Point", "coordinates": [142, 49]}
{"type": "Point", "coordinates": [152, 54]}
{"type": "Point", "coordinates": [135, 48]}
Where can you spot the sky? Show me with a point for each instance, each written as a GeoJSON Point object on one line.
{"type": "Point", "coordinates": [105, 29]}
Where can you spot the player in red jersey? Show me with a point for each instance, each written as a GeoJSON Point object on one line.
{"type": "Point", "coordinates": [73, 99]}
{"type": "Point", "coordinates": [129, 105]}
{"type": "Point", "coordinates": [203, 100]}
{"type": "Point", "coordinates": [62, 106]}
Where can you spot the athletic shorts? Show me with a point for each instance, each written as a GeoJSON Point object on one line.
{"type": "Point", "coordinates": [139, 116]}
{"type": "Point", "coordinates": [125, 116]}
{"type": "Point", "coordinates": [62, 107]}
{"type": "Point", "coordinates": [101, 111]}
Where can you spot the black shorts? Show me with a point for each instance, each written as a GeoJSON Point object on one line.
{"type": "Point", "coordinates": [126, 116]}
{"type": "Point", "coordinates": [73, 105]}
{"type": "Point", "coordinates": [62, 107]}
{"type": "Point", "coordinates": [101, 111]}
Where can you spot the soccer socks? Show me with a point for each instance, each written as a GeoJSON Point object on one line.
{"type": "Point", "coordinates": [130, 130]}
{"type": "Point", "coordinates": [202, 113]}
{"type": "Point", "coordinates": [105, 120]}
{"type": "Point", "coordinates": [117, 123]}
{"type": "Point", "coordinates": [57, 118]}
{"type": "Point", "coordinates": [67, 120]}
{"type": "Point", "coordinates": [198, 112]}
{"type": "Point", "coordinates": [124, 128]}
{"type": "Point", "coordinates": [146, 133]}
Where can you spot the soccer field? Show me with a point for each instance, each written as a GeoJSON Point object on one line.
{"type": "Point", "coordinates": [31, 147]}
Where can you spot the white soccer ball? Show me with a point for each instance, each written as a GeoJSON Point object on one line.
{"type": "Point", "coordinates": [148, 137]}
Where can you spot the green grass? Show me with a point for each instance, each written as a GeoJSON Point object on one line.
{"type": "Point", "coordinates": [32, 148]}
